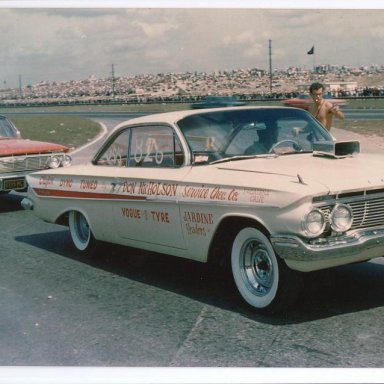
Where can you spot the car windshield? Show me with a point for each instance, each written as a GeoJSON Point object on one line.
{"type": "Point", "coordinates": [232, 134]}
{"type": "Point", "coordinates": [6, 129]}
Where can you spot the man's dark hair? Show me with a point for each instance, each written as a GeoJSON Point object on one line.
{"type": "Point", "coordinates": [315, 87]}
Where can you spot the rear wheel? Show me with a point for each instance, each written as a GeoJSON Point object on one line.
{"type": "Point", "coordinates": [263, 279]}
{"type": "Point", "coordinates": [80, 231]}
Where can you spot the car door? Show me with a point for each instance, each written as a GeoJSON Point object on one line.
{"type": "Point", "coordinates": [145, 208]}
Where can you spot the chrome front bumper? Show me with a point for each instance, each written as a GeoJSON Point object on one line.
{"type": "Point", "coordinates": [369, 242]}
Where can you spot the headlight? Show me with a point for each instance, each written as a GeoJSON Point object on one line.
{"type": "Point", "coordinates": [314, 223]}
{"type": "Point", "coordinates": [59, 161]}
{"type": "Point", "coordinates": [66, 161]}
{"type": "Point", "coordinates": [341, 218]}
{"type": "Point", "coordinates": [53, 162]}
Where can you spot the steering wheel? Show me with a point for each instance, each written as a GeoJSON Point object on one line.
{"type": "Point", "coordinates": [295, 145]}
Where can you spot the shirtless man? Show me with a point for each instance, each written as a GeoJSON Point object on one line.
{"type": "Point", "coordinates": [323, 110]}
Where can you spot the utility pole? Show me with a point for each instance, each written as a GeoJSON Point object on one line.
{"type": "Point", "coordinates": [270, 66]}
{"type": "Point", "coordinates": [113, 80]}
{"type": "Point", "coordinates": [20, 88]}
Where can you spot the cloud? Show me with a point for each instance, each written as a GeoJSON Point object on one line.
{"type": "Point", "coordinates": [63, 44]}
{"type": "Point", "coordinates": [154, 30]}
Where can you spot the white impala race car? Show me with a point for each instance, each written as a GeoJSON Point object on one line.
{"type": "Point", "coordinates": [264, 189]}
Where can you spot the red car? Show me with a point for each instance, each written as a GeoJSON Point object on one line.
{"type": "Point", "coordinates": [19, 157]}
{"type": "Point", "coordinates": [303, 101]}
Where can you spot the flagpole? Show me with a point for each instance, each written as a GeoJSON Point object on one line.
{"type": "Point", "coordinates": [270, 66]}
{"type": "Point", "coordinates": [312, 52]}
{"type": "Point", "coordinates": [314, 61]}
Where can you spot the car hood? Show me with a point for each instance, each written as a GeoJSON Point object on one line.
{"type": "Point", "coordinates": [349, 173]}
{"type": "Point", "coordinates": [15, 147]}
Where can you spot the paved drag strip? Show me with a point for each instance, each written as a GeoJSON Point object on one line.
{"type": "Point", "coordinates": [190, 336]}
{"type": "Point", "coordinates": [369, 144]}
{"type": "Point", "coordinates": [97, 138]}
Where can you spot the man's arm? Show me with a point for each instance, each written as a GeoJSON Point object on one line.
{"type": "Point", "coordinates": [336, 111]}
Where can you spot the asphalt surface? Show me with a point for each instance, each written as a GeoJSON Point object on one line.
{"type": "Point", "coordinates": [123, 307]}
{"type": "Point", "coordinates": [127, 308]}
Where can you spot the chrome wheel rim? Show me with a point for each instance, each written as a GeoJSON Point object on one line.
{"type": "Point", "coordinates": [256, 268]}
{"type": "Point", "coordinates": [82, 228]}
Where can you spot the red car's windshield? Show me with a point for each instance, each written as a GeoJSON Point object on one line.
{"type": "Point", "coordinates": [7, 130]}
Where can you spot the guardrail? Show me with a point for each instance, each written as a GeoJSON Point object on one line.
{"type": "Point", "coordinates": [30, 103]}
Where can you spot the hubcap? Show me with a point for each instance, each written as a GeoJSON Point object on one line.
{"type": "Point", "coordinates": [256, 267]}
{"type": "Point", "coordinates": [82, 228]}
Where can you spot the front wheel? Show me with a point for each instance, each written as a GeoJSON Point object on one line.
{"type": "Point", "coordinates": [80, 231]}
{"type": "Point", "coordinates": [263, 279]}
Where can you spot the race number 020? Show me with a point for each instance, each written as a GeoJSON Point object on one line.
{"type": "Point", "coordinates": [151, 147]}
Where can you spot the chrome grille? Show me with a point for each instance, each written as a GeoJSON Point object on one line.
{"type": "Point", "coordinates": [23, 163]}
{"type": "Point", "coordinates": [367, 212]}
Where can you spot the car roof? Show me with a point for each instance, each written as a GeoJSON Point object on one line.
{"type": "Point", "coordinates": [175, 116]}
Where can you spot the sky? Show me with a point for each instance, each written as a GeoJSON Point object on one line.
{"type": "Point", "coordinates": [61, 43]}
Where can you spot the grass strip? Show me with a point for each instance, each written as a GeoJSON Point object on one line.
{"type": "Point", "coordinates": [75, 131]}
{"type": "Point", "coordinates": [72, 131]}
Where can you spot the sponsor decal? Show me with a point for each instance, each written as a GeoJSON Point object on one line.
{"type": "Point", "coordinates": [46, 180]}
{"type": "Point", "coordinates": [160, 217]}
{"type": "Point", "coordinates": [195, 230]}
{"type": "Point", "coordinates": [257, 195]}
{"type": "Point", "coordinates": [138, 214]}
{"type": "Point", "coordinates": [157, 189]}
{"type": "Point", "coordinates": [195, 222]}
{"type": "Point", "coordinates": [131, 213]}
{"type": "Point", "coordinates": [141, 190]}
{"type": "Point", "coordinates": [66, 183]}
{"type": "Point", "coordinates": [195, 192]}
{"type": "Point", "coordinates": [129, 187]}
{"type": "Point", "coordinates": [88, 184]}
{"type": "Point", "coordinates": [198, 217]}
{"type": "Point", "coordinates": [210, 193]}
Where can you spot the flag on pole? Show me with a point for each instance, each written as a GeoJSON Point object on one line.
{"type": "Point", "coordinates": [311, 51]}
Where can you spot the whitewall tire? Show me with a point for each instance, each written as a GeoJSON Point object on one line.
{"type": "Point", "coordinates": [80, 231]}
{"type": "Point", "coordinates": [262, 278]}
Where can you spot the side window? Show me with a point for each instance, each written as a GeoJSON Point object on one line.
{"type": "Point", "coordinates": [115, 154]}
{"type": "Point", "coordinates": [154, 147]}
